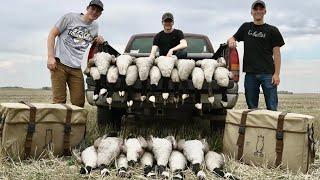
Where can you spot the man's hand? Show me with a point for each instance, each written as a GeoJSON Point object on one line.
{"type": "Point", "coordinates": [99, 40]}
{"type": "Point", "coordinates": [232, 42]}
{"type": "Point", "coordinates": [170, 53]}
{"type": "Point", "coordinates": [275, 79]}
{"type": "Point", "coordinates": [52, 64]}
{"type": "Point", "coordinates": [90, 62]}
{"type": "Point", "coordinates": [152, 56]}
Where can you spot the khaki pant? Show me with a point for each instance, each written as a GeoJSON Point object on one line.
{"type": "Point", "coordinates": [63, 76]}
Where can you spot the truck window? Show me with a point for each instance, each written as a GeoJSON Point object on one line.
{"type": "Point", "coordinates": [141, 45]}
{"type": "Point", "coordinates": [144, 44]}
{"type": "Point", "coordinates": [196, 45]}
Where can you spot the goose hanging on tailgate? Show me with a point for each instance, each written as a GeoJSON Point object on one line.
{"type": "Point", "coordinates": [155, 76]}
{"type": "Point", "coordinates": [123, 62]}
{"type": "Point", "coordinates": [197, 80]}
{"type": "Point", "coordinates": [185, 68]}
{"type": "Point", "coordinates": [102, 63]}
{"type": "Point", "coordinates": [166, 65]}
{"type": "Point", "coordinates": [131, 78]}
{"type": "Point", "coordinates": [222, 76]}
{"type": "Point", "coordinates": [112, 77]}
{"type": "Point", "coordinates": [94, 73]}
{"type": "Point", "coordinates": [176, 82]}
{"type": "Point", "coordinates": [144, 65]}
{"type": "Point", "coordinates": [208, 66]}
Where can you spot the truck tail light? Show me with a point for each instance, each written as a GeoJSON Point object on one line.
{"type": "Point", "coordinates": [234, 65]}
{"type": "Point", "coordinates": [92, 51]}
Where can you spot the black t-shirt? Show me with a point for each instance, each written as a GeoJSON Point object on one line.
{"type": "Point", "coordinates": [259, 41]}
{"type": "Point", "coordinates": [166, 41]}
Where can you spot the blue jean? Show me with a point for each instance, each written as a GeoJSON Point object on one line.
{"type": "Point", "coordinates": [252, 85]}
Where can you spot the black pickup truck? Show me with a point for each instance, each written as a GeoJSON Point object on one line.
{"type": "Point", "coordinates": [199, 47]}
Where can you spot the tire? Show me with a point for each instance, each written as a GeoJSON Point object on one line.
{"type": "Point", "coordinates": [109, 118]}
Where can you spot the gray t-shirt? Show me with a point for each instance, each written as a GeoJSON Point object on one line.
{"type": "Point", "coordinates": [74, 39]}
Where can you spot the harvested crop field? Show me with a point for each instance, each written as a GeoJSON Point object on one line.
{"type": "Point", "coordinates": [68, 168]}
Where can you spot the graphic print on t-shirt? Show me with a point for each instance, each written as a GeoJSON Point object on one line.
{"type": "Point", "coordinates": [256, 34]}
{"type": "Point", "coordinates": [80, 37]}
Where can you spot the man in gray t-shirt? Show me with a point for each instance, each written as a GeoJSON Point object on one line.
{"type": "Point", "coordinates": [74, 33]}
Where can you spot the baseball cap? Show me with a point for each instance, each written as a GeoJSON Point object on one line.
{"type": "Point", "coordinates": [167, 16]}
{"type": "Point", "coordinates": [258, 2]}
{"type": "Point", "coordinates": [96, 3]}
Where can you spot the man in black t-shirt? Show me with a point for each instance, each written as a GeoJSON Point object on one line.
{"type": "Point", "coordinates": [262, 58]}
{"type": "Point", "coordinates": [170, 41]}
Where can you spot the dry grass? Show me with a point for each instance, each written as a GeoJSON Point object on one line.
{"type": "Point", "coordinates": [68, 168]}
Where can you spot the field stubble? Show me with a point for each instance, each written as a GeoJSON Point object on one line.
{"type": "Point", "coordinates": [68, 168]}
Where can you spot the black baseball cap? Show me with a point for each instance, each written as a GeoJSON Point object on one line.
{"type": "Point", "coordinates": [258, 2]}
{"type": "Point", "coordinates": [96, 3]}
{"type": "Point", "coordinates": [166, 16]}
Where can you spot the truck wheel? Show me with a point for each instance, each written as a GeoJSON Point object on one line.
{"type": "Point", "coordinates": [110, 118]}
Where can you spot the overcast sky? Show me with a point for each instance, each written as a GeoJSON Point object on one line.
{"type": "Point", "coordinates": [26, 24]}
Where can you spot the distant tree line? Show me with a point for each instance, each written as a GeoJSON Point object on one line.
{"type": "Point", "coordinates": [285, 92]}
{"type": "Point", "coordinates": [279, 92]}
{"type": "Point", "coordinates": [18, 87]}
{"type": "Point", "coordinates": [12, 87]}
{"type": "Point", "coordinates": [46, 88]}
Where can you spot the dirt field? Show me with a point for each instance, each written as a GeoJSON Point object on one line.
{"type": "Point", "coordinates": [68, 168]}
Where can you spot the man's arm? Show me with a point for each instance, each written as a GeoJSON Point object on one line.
{"type": "Point", "coordinates": [183, 44]}
{"type": "Point", "coordinates": [276, 42]}
{"type": "Point", "coordinates": [277, 65]}
{"type": "Point", "coordinates": [153, 51]}
{"type": "Point", "coordinates": [232, 42]}
{"type": "Point", "coordinates": [51, 63]}
{"type": "Point", "coordinates": [99, 39]}
{"type": "Point", "coordinates": [238, 36]}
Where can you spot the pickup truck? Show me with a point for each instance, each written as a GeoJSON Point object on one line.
{"type": "Point", "coordinates": [199, 47]}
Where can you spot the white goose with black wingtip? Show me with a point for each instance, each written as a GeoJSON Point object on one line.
{"type": "Point", "coordinates": [198, 80]}
{"type": "Point", "coordinates": [122, 166]}
{"type": "Point", "coordinates": [123, 62]}
{"type": "Point", "coordinates": [177, 164]}
{"type": "Point", "coordinates": [134, 148]}
{"type": "Point", "coordinates": [222, 76]}
{"type": "Point", "coordinates": [176, 82]}
{"type": "Point", "coordinates": [155, 76]}
{"type": "Point", "coordinates": [162, 148]}
{"type": "Point", "coordinates": [147, 162]}
{"type": "Point", "coordinates": [89, 158]}
{"type": "Point", "coordinates": [166, 65]}
{"type": "Point", "coordinates": [144, 65]}
{"type": "Point", "coordinates": [215, 162]}
{"type": "Point", "coordinates": [131, 78]}
{"type": "Point", "coordinates": [112, 77]}
{"type": "Point", "coordinates": [102, 63]}
{"type": "Point", "coordinates": [194, 151]}
{"type": "Point", "coordinates": [108, 149]}
{"type": "Point", "coordinates": [185, 68]}
{"type": "Point", "coordinates": [208, 66]}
